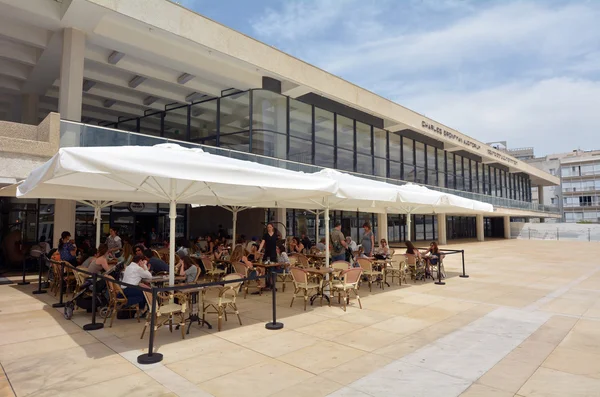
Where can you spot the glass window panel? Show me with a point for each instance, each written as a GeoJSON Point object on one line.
{"type": "Point", "coordinates": [587, 169]}
{"type": "Point", "coordinates": [149, 125]}
{"type": "Point", "coordinates": [420, 153]}
{"type": "Point", "coordinates": [409, 173]}
{"type": "Point", "coordinates": [364, 164]}
{"type": "Point", "coordinates": [380, 143]}
{"type": "Point", "coordinates": [345, 132]}
{"type": "Point", "coordinates": [431, 158]}
{"type": "Point", "coordinates": [324, 127]}
{"type": "Point", "coordinates": [407, 151]}
{"type": "Point", "coordinates": [441, 160]}
{"type": "Point", "coordinates": [394, 146]}
{"type": "Point", "coordinates": [301, 120]}
{"type": "Point", "coordinates": [300, 150]}
{"type": "Point", "coordinates": [345, 160]}
{"type": "Point", "coordinates": [269, 111]}
{"type": "Point", "coordinates": [235, 113]}
{"type": "Point", "coordinates": [432, 177]}
{"type": "Point", "coordinates": [363, 138]}
{"type": "Point", "coordinates": [239, 141]}
{"type": "Point", "coordinates": [458, 164]}
{"type": "Point", "coordinates": [441, 179]}
{"type": "Point", "coordinates": [269, 144]}
{"type": "Point", "coordinates": [380, 166]}
{"type": "Point", "coordinates": [450, 163]}
{"type": "Point", "coordinates": [324, 156]}
{"type": "Point", "coordinates": [420, 175]}
{"type": "Point", "coordinates": [176, 124]}
{"type": "Point", "coordinates": [395, 170]}
{"type": "Point", "coordinates": [203, 119]}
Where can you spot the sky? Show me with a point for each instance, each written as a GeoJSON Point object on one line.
{"type": "Point", "coordinates": [525, 72]}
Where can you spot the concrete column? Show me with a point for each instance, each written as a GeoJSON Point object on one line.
{"type": "Point", "coordinates": [71, 83]}
{"type": "Point", "coordinates": [64, 219]}
{"type": "Point", "coordinates": [281, 218]}
{"type": "Point", "coordinates": [441, 229]}
{"type": "Point", "coordinates": [382, 228]}
{"type": "Point", "coordinates": [480, 227]}
{"type": "Point", "coordinates": [30, 109]}
{"type": "Point", "coordinates": [541, 199]}
{"type": "Point", "coordinates": [507, 227]}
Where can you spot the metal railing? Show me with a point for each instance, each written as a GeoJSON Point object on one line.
{"type": "Point", "coordinates": [86, 135]}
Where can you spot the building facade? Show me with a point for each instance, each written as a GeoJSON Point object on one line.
{"type": "Point", "coordinates": [115, 75]}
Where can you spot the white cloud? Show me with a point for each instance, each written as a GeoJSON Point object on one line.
{"type": "Point", "coordinates": [523, 71]}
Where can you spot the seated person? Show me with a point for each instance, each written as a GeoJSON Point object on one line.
{"type": "Point", "coordinates": [281, 255]}
{"type": "Point", "coordinates": [383, 251]}
{"type": "Point", "coordinates": [134, 274]}
{"type": "Point", "coordinates": [188, 269]}
{"type": "Point", "coordinates": [433, 254]}
{"type": "Point", "coordinates": [321, 245]}
{"type": "Point", "coordinates": [238, 256]}
{"type": "Point", "coordinates": [254, 255]}
{"type": "Point", "coordinates": [351, 244]}
{"type": "Point", "coordinates": [155, 265]}
{"type": "Point", "coordinates": [100, 263]}
{"type": "Point", "coordinates": [221, 254]}
{"type": "Point", "coordinates": [296, 247]}
{"type": "Point", "coordinates": [92, 253]}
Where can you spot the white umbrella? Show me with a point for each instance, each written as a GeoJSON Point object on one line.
{"type": "Point", "coordinates": [167, 173]}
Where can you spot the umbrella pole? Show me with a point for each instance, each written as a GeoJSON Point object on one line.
{"type": "Point", "coordinates": [317, 215]}
{"type": "Point", "coordinates": [408, 226]}
{"type": "Point", "coordinates": [98, 218]}
{"type": "Point", "coordinates": [327, 253]}
{"type": "Point", "coordinates": [235, 213]}
{"type": "Point", "coordinates": [172, 219]}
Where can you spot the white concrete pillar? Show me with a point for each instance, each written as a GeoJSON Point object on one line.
{"type": "Point", "coordinates": [507, 227]}
{"type": "Point", "coordinates": [64, 219]}
{"type": "Point", "coordinates": [71, 83]}
{"type": "Point", "coordinates": [441, 229]}
{"type": "Point", "coordinates": [280, 220]}
{"type": "Point", "coordinates": [480, 227]}
{"type": "Point", "coordinates": [382, 228]}
{"type": "Point", "coordinates": [30, 109]}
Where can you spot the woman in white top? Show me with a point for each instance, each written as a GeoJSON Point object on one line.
{"type": "Point", "coordinates": [134, 274]}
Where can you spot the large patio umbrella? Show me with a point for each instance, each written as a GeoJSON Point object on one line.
{"type": "Point", "coordinates": [167, 173]}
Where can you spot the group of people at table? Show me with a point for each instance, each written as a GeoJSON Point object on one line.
{"type": "Point", "coordinates": [144, 263]}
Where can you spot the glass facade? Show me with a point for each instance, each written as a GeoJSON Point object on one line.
{"type": "Point", "coordinates": [269, 124]}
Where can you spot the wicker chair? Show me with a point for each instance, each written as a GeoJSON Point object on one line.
{"type": "Point", "coordinates": [118, 302]}
{"type": "Point", "coordinates": [240, 268]}
{"type": "Point", "coordinates": [372, 275]}
{"type": "Point", "coordinates": [416, 267]}
{"type": "Point", "coordinates": [396, 269]}
{"type": "Point", "coordinates": [171, 311]}
{"type": "Point", "coordinates": [301, 283]}
{"type": "Point", "coordinates": [348, 281]}
{"type": "Point", "coordinates": [212, 272]}
{"type": "Point", "coordinates": [227, 297]}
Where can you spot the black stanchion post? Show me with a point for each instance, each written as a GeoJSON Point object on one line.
{"type": "Point", "coordinates": [23, 282]}
{"type": "Point", "coordinates": [464, 275]}
{"type": "Point", "coordinates": [274, 325]}
{"type": "Point", "coordinates": [61, 278]}
{"type": "Point", "coordinates": [93, 325]}
{"type": "Point", "coordinates": [439, 280]}
{"type": "Point", "coordinates": [40, 290]}
{"type": "Point", "coordinates": [151, 357]}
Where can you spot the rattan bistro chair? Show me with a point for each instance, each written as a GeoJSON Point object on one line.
{"type": "Point", "coordinates": [212, 273]}
{"type": "Point", "coordinates": [242, 270]}
{"type": "Point", "coordinates": [396, 269]}
{"type": "Point", "coordinates": [170, 312]}
{"type": "Point", "coordinates": [302, 283]}
{"type": "Point", "coordinates": [372, 275]}
{"type": "Point", "coordinates": [226, 299]}
{"type": "Point", "coordinates": [348, 281]}
{"type": "Point", "coordinates": [118, 302]}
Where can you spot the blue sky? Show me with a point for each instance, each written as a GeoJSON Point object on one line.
{"type": "Point", "coordinates": [527, 72]}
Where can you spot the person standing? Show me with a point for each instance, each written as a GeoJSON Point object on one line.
{"type": "Point", "coordinates": [338, 243]}
{"type": "Point", "coordinates": [114, 243]}
{"type": "Point", "coordinates": [368, 240]}
{"type": "Point", "coordinates": [269, 243]}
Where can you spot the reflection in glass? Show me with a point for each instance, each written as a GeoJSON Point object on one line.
{"type": "Point", "coordinates": [380, 167]}
{"type": "Point", "coordinates": [323, 127]}
{"type": "Point", "coordinates": [407, 151]}
{"type": "Point", "coordinates": [269, 111]}
{"type": "Point", "coordinates": [176, 124]}
{"type": "Point", "coordinates": [324, 155]}
{"type": "Point", "coordinates": [345, 160]}
{"type": "Point", "coordinates": [203, 119]}
{"type": "Point", "coordinates": [345, 133]}
{"type": "Point", "coordinates": [364, 164]}
{"type": "Point", "coordinates": [300, 150]}
{"type": "Point", "coordinates": [380, 144]}
{"type": "Point", "coordinates": [301, 120]}
{"type": "Point", "coordinates": [420, 154]}
{"type": "Point", "coordinates": [269, 144]}
{"type": "Point", "coordinates": [235, 113]}
{"type": "Point", "coordinates": [363, 138]}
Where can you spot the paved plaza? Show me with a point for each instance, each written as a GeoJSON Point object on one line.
{"type": "Point", "coordinates": [526, 323]}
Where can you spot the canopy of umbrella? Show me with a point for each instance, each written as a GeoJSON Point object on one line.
{"type": "Point", "coordinates": [168, 173]}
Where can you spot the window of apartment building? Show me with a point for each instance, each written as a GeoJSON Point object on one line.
{"type": "Point", "coordinates": [585, 201]}
{"type": "Point", "coordinates": [552, 171]}
{"type": "Point", "coordinates": [553, 200]}
{"type": "Point", "coordinates": [587, 169]}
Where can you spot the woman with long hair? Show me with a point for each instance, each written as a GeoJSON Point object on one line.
{"type": "Point", "coordinates": [99, 263]}
{"type": "Point", "coordinates": [237, 256]}
{"type": "Point", "coordinates": [188, 269]}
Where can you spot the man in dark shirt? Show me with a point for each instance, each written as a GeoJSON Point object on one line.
{"type": "Point", "coordinates": [306, 242]}
{"type": "Point", "coordinates": [156, 265]}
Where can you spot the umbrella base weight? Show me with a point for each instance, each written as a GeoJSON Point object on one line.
{"type": "Point", "coordinates": [93, 326]}
{"type": "Point", "coordinates": [149, 359]}
{"type": "Point", "coordinates": [24, 283]}
{"type": "Point", "coordinates": [464, 276]}
{"type": "Point", "coordinates": [274, 326]}
{"type": "Point", "coordinates": [440, 283]}
{"type": "Point", "coordinates": [43, 291]}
